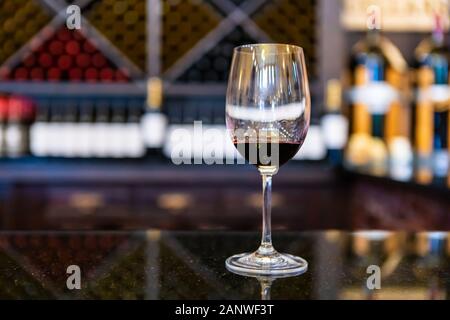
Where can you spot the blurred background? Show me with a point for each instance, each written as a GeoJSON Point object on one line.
{"type": "Point", "coordinates": [88, 117]}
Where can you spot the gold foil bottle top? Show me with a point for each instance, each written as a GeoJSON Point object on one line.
{"type": "Point", "coordinates": [333, 95]}
{"type": "Point", "coordinates": [154, 93]}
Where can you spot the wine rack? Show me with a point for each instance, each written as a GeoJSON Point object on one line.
{"type": "Point", "coordinates": [186, 41]}
{"type": "Point", "coordinates": [21, 20]}
{"type": "Point", "coordinates": [185, 23]}
{"type": "Point", "coordinates": [206, 52]}
{"type": "Point", "coordinates": [123, 23]}
{"type": "Point", "coordinates": [67, 56]}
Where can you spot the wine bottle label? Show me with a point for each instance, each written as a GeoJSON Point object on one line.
{"type": "Point", "coordinates": [100, 139]}
{"type": "Point", "coordinates": [314, 146]}
{"type": "Point", "coordinates": [85, 144]}
{"type": "Point", "coordinates": [72, 138]}
{"type": "Point", "coordinates": [401, 159]}
{"type": "Point", "coordinates": [153, 126]}
{"type": "Point", "coordinates": [440, 163]}
{"type": "Point", "coordinates": [69, 138]}
{"type": "Point", "coordinates": [424, 128]}
{"type": "Point", "coordinates": [400, 150]}
{"type": "Point", "coordinates": [63, 136]}
{"type": "Point", "coordinates": [439, 94]}
{"type": "Point", "coordinates": [377, 96]}
{"type": "Point", "coordinates": [2, 139]}
{"type": "Point", "coordinates": [15, 140]}
{"type": "Point", "coordinates": [134, 146]}
{"type": "Point", "coordinates": [40, 140]}
{"type": "Point", "coordinates": [117, 140]}
{"type": "Point", "coordinates": [335, 131]}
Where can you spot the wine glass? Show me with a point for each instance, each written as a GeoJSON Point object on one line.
{"type": "Point", "coordinates": [267, 115]}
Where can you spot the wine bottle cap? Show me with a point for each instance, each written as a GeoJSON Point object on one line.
{"type": "Point", "coordinates": [333, 95]}
{"type": "Point", "coordinates": [154, 93]}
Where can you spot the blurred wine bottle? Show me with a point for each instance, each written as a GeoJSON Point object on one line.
{"type": "Point", "coordinates": [431, 116]}
{"type": "Point", "coordinates": [3, 119]}
{"type": "Point", "coordinates": [154, 122]}
{"type": "Point", "coordinates": [372, 95]}
{"type": "Point", "coordinates": [334, 123]}
{"type": "Point", "coordinates": [20, 117]}
{"type": "Point", "coordinates": [134, 146]}
{"type": "Point", "coordinates": [39, 131]}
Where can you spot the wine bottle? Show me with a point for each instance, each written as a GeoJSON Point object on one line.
{"type": "Point", "coordinates": [16, 133]}
{"type": "Point", "coordinates": [39, 131]}
{"type": "Point", "coordinates": [101, 130]}
{"type": "Point", "coordinates": [85, 145]}
{"type": "Point", "coordinates": [432, 99]}
{"type": "Point", "coordinates": [70, 126]}
{"type": "Point", "coordinates": [373, 58]}
{"type": "Point", "coordinates": [3, 119]}
{"type": "Point", "coordinates": [154, 122]}
{"type": "Point", "coordinates": [117, 129]}
{"type": "Point", "coordinates": [54, 128]}
{"type": "Point", "coordinates": [134, 144]}
{"type": "Point", "coordinates": [334, 124]}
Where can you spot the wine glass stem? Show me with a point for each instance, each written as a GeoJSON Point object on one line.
{"type": "Point", "coordinates": [266, 247]}
{"type": "Point", "coordinates": [265, 289]}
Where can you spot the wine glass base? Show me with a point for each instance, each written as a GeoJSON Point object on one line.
{"type": "Point", "coordinates": [275, 264]}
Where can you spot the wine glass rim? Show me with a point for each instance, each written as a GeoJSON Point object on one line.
{"type": "Point", "coordinates": [248, 48]}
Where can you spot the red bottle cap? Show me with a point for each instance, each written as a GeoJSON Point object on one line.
{"type": "Point", "coordinates": [3, 108]}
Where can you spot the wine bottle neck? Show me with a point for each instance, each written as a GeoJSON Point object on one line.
{"type": "Point", "coordinates": [373, 36]}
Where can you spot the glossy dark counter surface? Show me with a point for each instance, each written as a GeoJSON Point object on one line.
{"type": "Point", "coordinates": [190, 265]}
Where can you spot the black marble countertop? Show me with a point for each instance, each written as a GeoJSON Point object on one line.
{"type": "Point", "coordinates": [190, 265]}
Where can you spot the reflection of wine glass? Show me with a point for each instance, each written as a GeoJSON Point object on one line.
{"type": "Point", "coordinates": [264, 281]}
{"type": "Point", "coordinates": [267, 112]}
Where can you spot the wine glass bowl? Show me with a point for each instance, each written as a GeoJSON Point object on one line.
{"type": "Point", "coordinates": [267, 116]}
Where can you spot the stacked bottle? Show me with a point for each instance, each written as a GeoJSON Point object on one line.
{"type": "Point", "coordinates": [16, 116]}
{"type": "Point", "coordinates": [377, 70]}
{"type": "Point", "coordinates": [88, 128]}
{"type": "Point", "coordinates": [66, 56]}
{"type": "Point", "coordinates": [334, 123]}
{"type": "Point", "coordinates": [431, 113]}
